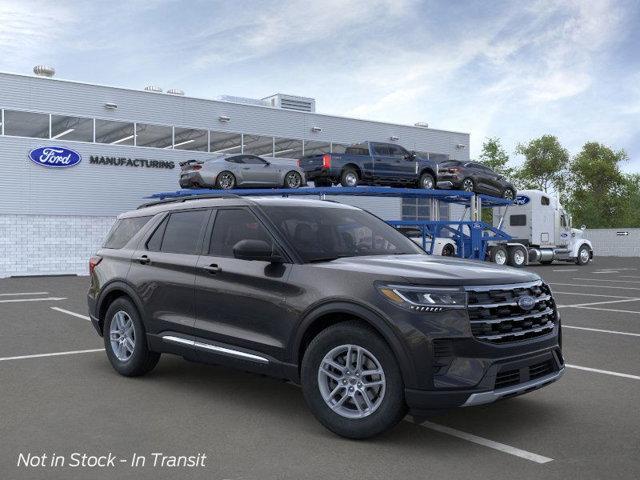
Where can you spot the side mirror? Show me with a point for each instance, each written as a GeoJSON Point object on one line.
{"type": "Point", "coordinates": [255, 250]}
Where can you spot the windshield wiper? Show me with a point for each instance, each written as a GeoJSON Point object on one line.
{"type": "Point", "coordinates": [327, 259]}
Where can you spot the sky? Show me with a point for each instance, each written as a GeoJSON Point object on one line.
{"type": "Point", "coordinates": [514, 70]}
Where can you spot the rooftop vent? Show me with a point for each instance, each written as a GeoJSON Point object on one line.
{"type": "Point", "coordinates": [175, 91]}
{"type": "Point", "coordinates": [292, 102]}
{"type": "Point", "coordinates": [153, 88]}
{"type": "Point", "coordinates": [422, 124]}
{"type": "Point", "coordinates": [44, 71]}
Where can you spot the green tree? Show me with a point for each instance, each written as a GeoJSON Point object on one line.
{"type": "Point", "coordinates": [545, 164]}
{"type": "Point", "coordinates": [495, 157]}
{"type": "Point", "coordinates": [599, 193]}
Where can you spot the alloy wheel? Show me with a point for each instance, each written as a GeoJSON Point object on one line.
{"type": "Point", "coordinates": [467, 185]}
{"type": "Point", "coordinates": [351, 179]}
{"type": "Point", "coordinates": [427, 182]}
{"type": "Point", "coordinates": [584, 255]}
{"type": "Point", "coordinates": [293, 180]}
{"type": "Point", "coordinates": [122, 335]}
{"type": "Point", "coordinates": [351, 381]}
{"type": "Point", "coordinates": [226, 181]}
{"type": "Point", "coordinates": [508, 194]}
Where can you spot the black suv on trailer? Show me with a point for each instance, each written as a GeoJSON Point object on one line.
{"type": "Point", "coordinates": [322, 294]}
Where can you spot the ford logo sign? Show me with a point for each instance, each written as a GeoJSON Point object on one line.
{"type": "Point", "coordinates": [526, 302]}
{"type": "Point", "coordinates": [521, 200]}
{"type": "Point", "coordinates": [55, 157]}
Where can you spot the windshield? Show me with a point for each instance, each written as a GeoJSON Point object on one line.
{"type": "Point", "coordinates": [324, 234]}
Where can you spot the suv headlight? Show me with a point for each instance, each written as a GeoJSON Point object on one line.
{"type": "Point", "coordinates": [424, 299]}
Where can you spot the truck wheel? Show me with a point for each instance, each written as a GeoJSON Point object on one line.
{"type": "Point", "coordinates": [349, 178]}
{"type": "Point", "coordinates": [584, 255]}
{"type": "Point", "coordinates": [427, 182]}
{"type": "Point", "coordinates": [517, 257]}
{"type": "Point", "coordinates": [448, 250]}
{"type": "Point", "coordinates": [351, 381]}
{"type": "Point", "coordinates": [499, 255]}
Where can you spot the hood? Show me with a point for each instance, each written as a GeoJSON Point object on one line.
{"type": "Point", "coordinates": [432, 270]}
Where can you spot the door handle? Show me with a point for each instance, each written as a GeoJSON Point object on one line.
{"type": "Point", "coordinates": [212, 269]}
{"type": "Point", "coordinates": [144, 260]}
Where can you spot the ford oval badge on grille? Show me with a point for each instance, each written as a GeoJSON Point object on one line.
{"type": "Point", "coordinates": [526, 302]}
{"type": "Point", "coordinates": [56, 157]}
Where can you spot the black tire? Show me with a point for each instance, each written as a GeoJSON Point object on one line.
{"type": "Point", "coordinates": [517, 257]}
{"type": "Point", "coordinates": [468, 185]}
{"type": "Point", "coordinates": [580, 260]}
{"type": "Point", "coordinates": [346, 179]}
{"type": "Point", "coordinates": [221, 180]}
{"type": "Point", "coordinates": [427, 182]}
{"type": "Point", "coordinates": [288, 184]}
{"type": "Point", "coordinates": [499, 252]}
{"type": "Point", "coordinates": [546, 262]}
{"type": "Point", "coordinates": [322, 182]}
{"type": "Point", "coordinates": [392, 407]}
{"type": "Point", "coordinates": [142, 360]}
{"type": "Point", "coordinates": [448, 250]}
{"type": "Point", "coordinates": [509, 194]}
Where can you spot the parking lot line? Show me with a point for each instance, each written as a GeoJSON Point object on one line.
{"type": "Point", "coordinates": [602, 331]}
{"type": "Point", "coordinates": [54, 354]}
{"type": "Point", "coordinates": [566, 269]}
{"type": "Point", "coordinates": [605, 280]}
{"type": "Point", "coordinates": [533, 457]}
{"type": "Point", "coordinates": [590, 294]}
{"type": "Point", "coordinates": [593, 286]}
{"type": "Point", "coordinates": [599, 303]}
{"type": "Point", "coordinates": [609, 310]}
{"type": "Point", "coordinates": [73, 314]}
{"type": "Point", "coordinates": [45, 299]}
{"type": "Point", "coordinates": [22, 293]}
{"type": "Point", "coordinates": [606, 372]}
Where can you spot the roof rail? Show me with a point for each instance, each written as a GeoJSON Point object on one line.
{"type": "Point", "coordinates": [187, 198]}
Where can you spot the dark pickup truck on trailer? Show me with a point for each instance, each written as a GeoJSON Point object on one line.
{"type": "Point", "coordinates": [371, 163]}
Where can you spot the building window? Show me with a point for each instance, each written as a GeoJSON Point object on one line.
{"type": "Point", "coordinates": [258, 145]}
{"type": "Point", "coordinates": [114, 133]}
{"type": "Point", "coordinates": [158, 136]}
{"type": "Point", "coordinates": [312, 147]}
{"type": "Point", "coordinates": [26, 124]}
{"type": "Point", "coordinates": [287, 148]}
{"type": "Point", "coordinates": [224, 142]}
{"type": "Point", "coordinates": [191, 139]}
{"type": "Point", "coordinates": [72, 128]}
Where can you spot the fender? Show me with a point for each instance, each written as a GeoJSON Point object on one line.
{"type": "Point", "coordinates": [373, 318]}
{"type": "Point", "coordinates": [125, 287]}
{"type": "Point", "coordinates": [578, 244]}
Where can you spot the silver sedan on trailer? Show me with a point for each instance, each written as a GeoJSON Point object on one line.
{"type": "Point", "coordinates": [231, 171]}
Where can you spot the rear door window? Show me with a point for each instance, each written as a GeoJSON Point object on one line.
{"type": "Point", "coordinates": [381, 150]}
{"type": "Point", "coordinates": [124, 230]}
{"type": "Point", "coordinates": [183, 232]}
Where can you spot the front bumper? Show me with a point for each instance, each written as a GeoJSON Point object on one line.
{"type": "Point", "coordinates": [523, 369]}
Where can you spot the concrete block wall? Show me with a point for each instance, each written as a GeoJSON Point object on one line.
{"type": "Point", "coordinates": [50, 244]}
{"type": "Point", "coordinates": [612, 242]}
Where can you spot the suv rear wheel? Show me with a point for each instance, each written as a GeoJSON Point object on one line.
{"type": "Point", "coordinates": [351, 381]}
{"type": "Point", "coordinates": [125, 340]}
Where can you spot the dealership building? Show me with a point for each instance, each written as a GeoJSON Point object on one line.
{"type": "Point", "coordinates": [127, 144]}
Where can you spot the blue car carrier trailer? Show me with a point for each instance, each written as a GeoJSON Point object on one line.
{"type": "Point", "coordinates": [474, 239]}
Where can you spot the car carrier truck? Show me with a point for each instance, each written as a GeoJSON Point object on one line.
{"type": "Point", "coordinates": [540, 231]}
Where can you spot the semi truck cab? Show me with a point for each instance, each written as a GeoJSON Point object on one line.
{"type": "Point", "coordinates": [538, 223]}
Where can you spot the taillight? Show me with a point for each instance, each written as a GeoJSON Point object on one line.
{"type": "Point", "coordinates": [326, 161]}
{"type": "Point", "coordinates": [93, 263]}
{"type": "Point", "coordinates": [299, 162]}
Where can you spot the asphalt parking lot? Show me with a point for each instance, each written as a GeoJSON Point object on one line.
{"type": "Point", "coordinates": [60, 395]}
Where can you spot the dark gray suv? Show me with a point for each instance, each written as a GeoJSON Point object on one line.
{"type": "Point", "coordinates": [325, 295]}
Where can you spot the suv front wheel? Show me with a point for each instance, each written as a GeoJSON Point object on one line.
{"type": "Point", "coordinates": [125, 340]}
{"type": "Point", "coordinates": [351, 381]}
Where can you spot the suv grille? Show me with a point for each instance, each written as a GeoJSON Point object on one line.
{"type": "Point", "coordinates": [496, 317]}
{"type": "Point", "coordinates": [514, 377]}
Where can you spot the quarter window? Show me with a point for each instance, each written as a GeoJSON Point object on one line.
{"type": "Point", "coordinates": [183, 231]}
{"type": "Point", "coordinates": [234, 225]}
{"type": "Point", "coordinates": [124, 230]}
